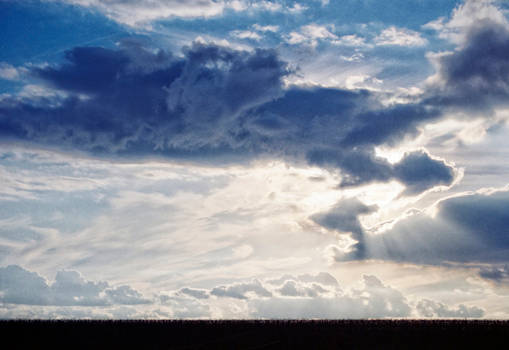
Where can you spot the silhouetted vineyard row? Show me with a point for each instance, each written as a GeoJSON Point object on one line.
{"type": "Point", "coordinates": [288, 334]}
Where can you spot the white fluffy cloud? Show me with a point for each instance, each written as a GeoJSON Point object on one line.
{"type": "Point", "coordinates": [471, 227]}
{"type": "Point", "coordinates": [465, 16]}
{"type": "Point", "coordinates": [8, 72]}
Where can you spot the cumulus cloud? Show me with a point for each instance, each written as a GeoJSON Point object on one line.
{"type": "Point", "coordinates": [195, 293]}
{"type": "Point", "coordinates": [190, 306]}
{"type": "Point", "coordinates": [315, 296]}
{"type": "Point", "coordinates": [19, 286]}
{"type": "Point", "coordinates": [374, 299]}
{"type": "Point", "coordinates": [430, 308]}
{"type": "Point", "coordinates": [27, 294]}
{"type": "Point", "coordinates": [465, 16]}
{"type": "Point", "coordinates": [241, 290]}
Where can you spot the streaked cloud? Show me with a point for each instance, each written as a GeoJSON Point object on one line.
{"type": "Point", "coordinates": [400, 37]}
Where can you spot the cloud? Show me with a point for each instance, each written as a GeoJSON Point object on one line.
{"type": "Point", "coordinates": [26, 294]}
{"type": "Point", "coordinates": [319, 296]}
{"type": "Point", "coordinates": [477, 73]}
{"type": "Point", "coordinates": [216, 105]}
{"type": "Point", "coordinates": [499, 274]}
{"type": "Point", "coordinates": [139, 12]}
{"type": "Point", "coordinates": [195, 293]}
{"type": "Point", "coordinates": [241, 290]}
{"type": "Point", "coordinates": [343, 217]}
{"type": "Point", "coordinates": [393, 36]}
{"type": "Point", "coordinates": [185, 307]}
{"type": "Point", "coordinates": [430, 308]}
{"type": "Point", "coordinates": [267, 28]}
{"type": "Point", "coordinates": [467, 228]}
{"type": "Point", "coordinates": [316, 296]}
{"type": "Point", "coordinates": [19, 286]}
{"type": "Point", "coordinates": [416, 170]}
{"type": "Point", "coordinates": [419, 172]}
{"type": "Point", "coordinates": [464, 17]}
{"type": "Point", "coordinates": [246, 34]}
{"type": "Point", "coordinates": [8, 72]}
{"type": "Point", "coordinates": [139, 101]}
{"type": "Point", "coordinates": [311, 34]}
{"type": "Point", "coordinates": [295, 301]}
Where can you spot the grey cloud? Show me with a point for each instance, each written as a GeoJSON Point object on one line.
{"type": "Point", "coordinates": [216, 105]}
{"type": "Point", "coordinates": [70, 288]}
{"type": "Point", "coordinates": [213, 105]}
{"type": "Point", "coordinates": [430, 308]}
{"type": "Point", "coordinates": [476, 75]}
{"type": "Point", "coordinates": [373, 300]}
{"type": "Point", "coordinates": [293, 288]}
{"type": "Point", "coordinates": [196, 293]}
{"type": "Point", "coordinates": [316, 296]}
{"type": "Point", "coordinates": [419, 172]}
{"type": "Point", "coordinates": [187, 306]}
{"type": "Point", "coordinates": [19, 286]}
{"type": "Point", "coordinates": [499, 274]}
{"type": "Point", "coordinates": [343, 217]}
{"type": "Point", "coordinates": [305, 296]}
{"type": "Point", "coordinates": [241, 290]}
{"type": "Point", "coordinates": [468, 228]}
{"type": "Point", "coordinates": [125, 295]}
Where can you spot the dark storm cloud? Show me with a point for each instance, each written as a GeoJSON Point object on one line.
{"type": "Point", "coordinates": [477, 74]}
{"type": "Point", "coordinates": [19, 286]}
{"type": "Point", "coordinates": [419, 172]}
{"type": "Point", "coordinates": [217, 105]}
{"type": "Point", "coordinates": [469, 228]}
{"type": "Point", "coordinates": [343, 217]}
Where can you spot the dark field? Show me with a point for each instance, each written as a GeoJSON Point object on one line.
{"type": "Point", "coordinates": [363, 334]}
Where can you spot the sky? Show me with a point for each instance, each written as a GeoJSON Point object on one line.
{"type": "Point", "coordinates": [238, 159]}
